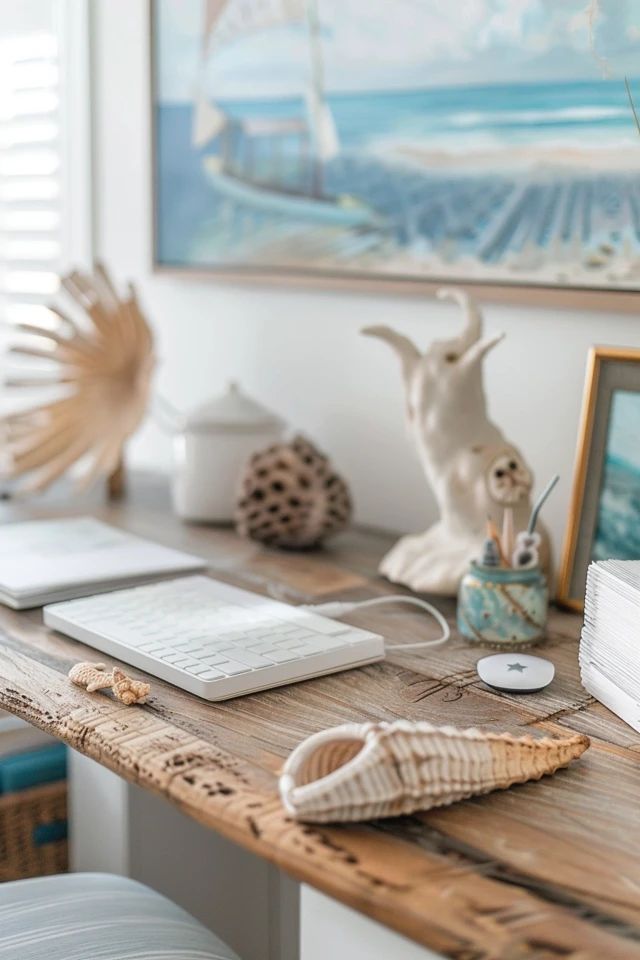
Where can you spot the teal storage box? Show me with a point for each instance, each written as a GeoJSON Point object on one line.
{"type": "Point", "coordinates": [33, 769]}
{"type": "Point", "coordinates": [33, 813]}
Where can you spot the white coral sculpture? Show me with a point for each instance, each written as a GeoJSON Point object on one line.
{"type": "Point", "coordinates": [473, 470]}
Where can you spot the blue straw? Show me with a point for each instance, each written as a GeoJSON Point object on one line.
{"type": "Point", "coordinates": [537, 507]}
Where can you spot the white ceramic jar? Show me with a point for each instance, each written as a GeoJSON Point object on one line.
{"type": "Point", "coordinates": [212, 446]}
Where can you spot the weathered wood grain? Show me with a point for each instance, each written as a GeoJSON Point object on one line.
{"type": "Point", "coordinates": [547, 870]}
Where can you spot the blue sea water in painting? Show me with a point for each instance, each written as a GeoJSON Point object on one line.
{"type": "Point", "coordinates": [553, 216]}
{"type": "Point", "coordinates": [618, 522]}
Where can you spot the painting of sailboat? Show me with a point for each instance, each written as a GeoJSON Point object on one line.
{"type": "Point", "coordinates": [490, 141]}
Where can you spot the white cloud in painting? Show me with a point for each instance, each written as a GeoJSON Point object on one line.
{"type": "Point", "coordinates": [391, 44]}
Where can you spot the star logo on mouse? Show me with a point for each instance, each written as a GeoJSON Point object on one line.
{"type": "Point", "coordinates": [516, 666]}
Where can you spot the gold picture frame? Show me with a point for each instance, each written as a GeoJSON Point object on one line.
{"type": "Point", "coordinates": [609, 369]}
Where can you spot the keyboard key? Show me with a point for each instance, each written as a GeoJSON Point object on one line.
{"type": "Point", "coordinates": [263, 646]}
{"type": "Point", "coordinates": [185, 663]}
{"type": "Point", "coordinates": [199, 670]}
{"type": "Point", "coordinates": [172, 657]}
{"type": "Point", "coordinates": [286, 644]}
{"type": "Point", "coordinates": [321, 625]}
{"type": "Point", "coordinates": [212, 659]}
{"type": "Point", "coordinates": [321, 644]}
{"type": "Point", "coordinates": [211, 674]}
{"type": "Point", "coordinates": [248, 657]}
{"type": "Point", "coordinates": [281, 656]}
{"type": "Point", "coordinates": [313, 647]}
{"type": "Point", "coordinates": [232, 668]}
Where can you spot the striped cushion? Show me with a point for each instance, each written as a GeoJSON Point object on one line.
{"type": "Point", "coordinates": [95, 916]}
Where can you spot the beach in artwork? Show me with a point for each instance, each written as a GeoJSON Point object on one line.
{"type": "Point", "coordinates": [519, 181]}
{"type": "Point", "coordinates": [618, 523]}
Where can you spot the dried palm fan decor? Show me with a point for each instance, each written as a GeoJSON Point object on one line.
{"type": "Point", "coordinates": [101, 375]}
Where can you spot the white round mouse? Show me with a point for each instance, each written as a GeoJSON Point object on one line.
{"type": "Point", "coordinates": [515, 672]}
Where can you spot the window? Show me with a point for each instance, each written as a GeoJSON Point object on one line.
{"type": "Point", "coordinates": [44, 151]}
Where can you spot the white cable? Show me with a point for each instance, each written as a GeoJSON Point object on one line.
{"type": "Point", "coordinates": [339, 609]}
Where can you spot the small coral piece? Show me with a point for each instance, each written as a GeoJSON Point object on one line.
{"type": "Point", "coordinates": [94, 676]}
{"type": "Point", "coordinates": [91, 676]}
{"type": "Point", "coordinates": [127, 690]}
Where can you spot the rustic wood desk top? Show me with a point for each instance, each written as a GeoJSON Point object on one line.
{"type": "Point", "coordinates": [545, 870]}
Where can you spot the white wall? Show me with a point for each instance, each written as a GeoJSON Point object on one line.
{"type": "Point", "coordinates": [299, 351]}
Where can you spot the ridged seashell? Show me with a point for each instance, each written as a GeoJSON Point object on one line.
{"type": "Point", "coordinates": [367, 771]}
{"type": "Point", "coordinates": [290, 496]}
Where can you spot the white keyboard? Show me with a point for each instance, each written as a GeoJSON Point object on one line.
{"type": "Point", "coordinates": [212, 639]}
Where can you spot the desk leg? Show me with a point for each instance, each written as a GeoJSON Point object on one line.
{"type": "Point", "coordinates": [119, 828]}
{"type": "Point", "coordinates": [329, 929]}
{"type": "Point", "coordinates": [98, 817]}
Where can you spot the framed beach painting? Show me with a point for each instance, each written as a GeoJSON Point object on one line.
{"type": "Point", "coordinates": [484, 141]}
{"type": "Point", "coordinates": [604, 521]}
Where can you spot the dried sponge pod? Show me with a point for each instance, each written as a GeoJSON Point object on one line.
{"type": "Point", "coordinates": [290, 496]}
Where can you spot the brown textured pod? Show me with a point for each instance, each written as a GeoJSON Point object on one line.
{"type": "Point", "coordinates": [290, 496]}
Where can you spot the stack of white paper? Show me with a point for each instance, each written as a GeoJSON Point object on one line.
{"type": "Point", "coordinates": [610, 642]}
{"type": "Point", "coordinates": [42, 561]}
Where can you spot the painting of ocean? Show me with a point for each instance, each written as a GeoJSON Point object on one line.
{"type": "Point", "coordinates": [618, 523]}
{"type": "Point", "coordinates": [322, 137]}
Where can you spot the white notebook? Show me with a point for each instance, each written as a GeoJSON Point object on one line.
{"type": "Point", "coordinates": [43, 561]}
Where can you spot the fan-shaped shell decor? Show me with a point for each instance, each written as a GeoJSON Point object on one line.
{"type": "Point", "coordinates": [367, 771]}
{"type": "Point", "coordinates": [290, 496]}
{"type": "Point", "coordinates": [101, 371]}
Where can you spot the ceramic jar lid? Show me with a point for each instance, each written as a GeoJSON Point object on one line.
{"type": "Point", "coordinates": [233, 412]}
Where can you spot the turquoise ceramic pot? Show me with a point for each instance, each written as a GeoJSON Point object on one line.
{"type": "Point", "coordinates": [500, 606]}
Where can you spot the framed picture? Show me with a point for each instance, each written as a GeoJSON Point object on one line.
{"type": "Point", "coordinates": [398, 141]}
{"type": "Point", "coordinates": [604, 519]}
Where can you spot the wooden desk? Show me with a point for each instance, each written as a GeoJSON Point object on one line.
{"type": "Point", "coordinates": [549, 869]}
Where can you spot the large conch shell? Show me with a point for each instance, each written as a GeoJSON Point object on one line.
{"type": "Point", "coordinates": [367, 771]}
{"type": "Point", "coordinates": [99, 367]}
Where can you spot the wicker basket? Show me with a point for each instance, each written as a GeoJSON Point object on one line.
{"type": "Point", "coordinates": [21, 815]}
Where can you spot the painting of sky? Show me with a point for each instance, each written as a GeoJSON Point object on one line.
{"type": "Point", "coordinates": [487, 140]}
{"type": "Point", "coordinates": [409, 44]}
{"type": "Point", "coordinates": [618, 525]}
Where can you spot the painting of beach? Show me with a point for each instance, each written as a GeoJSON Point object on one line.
{"type": "Point", "coordinates": [618, 523]}
{"type": "Point", "coordinates": [485, 140]}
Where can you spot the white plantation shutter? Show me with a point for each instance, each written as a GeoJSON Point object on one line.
{"type": "Point", "coordinates": [30, 167]}
{"type": "Point", "coordinates": [45, 172]}
{"type": "Point", "coordinates": [44, 169]}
